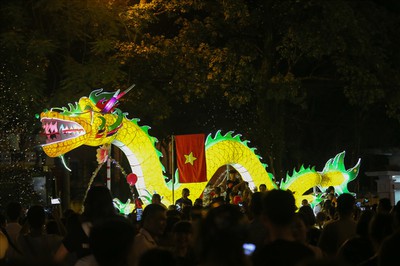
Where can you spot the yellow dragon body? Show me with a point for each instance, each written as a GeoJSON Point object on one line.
{"type": "Point", "coordinates": [96, 121]}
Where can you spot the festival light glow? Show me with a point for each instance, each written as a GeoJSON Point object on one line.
{"type": "Point", "coordinates": [95, 121]}
{"type": "Point", "coordinates": [123, 208]}
{"type": "Point", "coordinates": [334, 174]}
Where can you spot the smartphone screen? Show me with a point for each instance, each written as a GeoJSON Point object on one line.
{"type": "Point", "coordinates": [248, 248]}
{"type": "Point", "coordinates": [55, 201]}
{"type": "Point", "coordinates": [139, 213]}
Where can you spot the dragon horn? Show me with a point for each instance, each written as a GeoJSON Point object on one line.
{"type": "Point", "coordinates": [110, 104]}
{"type": "Point", "coordinates": [125, 92]}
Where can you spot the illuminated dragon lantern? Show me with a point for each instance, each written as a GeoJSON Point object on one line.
{"type": "Point", "coordinates": [95, 121]}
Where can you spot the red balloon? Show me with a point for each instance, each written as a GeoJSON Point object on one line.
{"type": "Point", "coordinates": [131, 179]}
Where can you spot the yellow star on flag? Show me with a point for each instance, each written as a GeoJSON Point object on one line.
{"type": "Point", "coordinates": [190, 158]}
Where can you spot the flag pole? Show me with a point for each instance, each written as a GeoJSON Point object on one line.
{"type": "Point", "coordinates": [172, 168]}
{"type": "Point", "coordinates": [108, 172]}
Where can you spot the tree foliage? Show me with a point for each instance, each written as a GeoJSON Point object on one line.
{"type": "Point", "coordinates": [264, 68]}
{"type": "Point", "coordinates": [17, 185]}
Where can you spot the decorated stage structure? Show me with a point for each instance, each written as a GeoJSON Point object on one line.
{"type": "Point", "coordinates": [96, 121]}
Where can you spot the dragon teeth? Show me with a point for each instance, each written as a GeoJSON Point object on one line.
{"type": "Point", "coordinates": [59, 130]}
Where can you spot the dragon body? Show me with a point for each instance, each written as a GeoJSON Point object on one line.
{"type": "Point", "coordinates": [96, 121]}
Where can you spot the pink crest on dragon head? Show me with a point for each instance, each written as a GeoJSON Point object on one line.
{"type": "Point", "coordinates": [106, 103]}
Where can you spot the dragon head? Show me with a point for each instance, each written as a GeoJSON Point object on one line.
{"type": "Point", "coordinates": [92, 121]}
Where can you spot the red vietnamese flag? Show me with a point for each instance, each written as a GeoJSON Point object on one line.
{"type": "Point", "coordinates": [191, 158]}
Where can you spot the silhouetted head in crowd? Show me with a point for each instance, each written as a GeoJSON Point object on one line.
{"type": "Point", "coordinates": [345, 205]}
{"type": "Point", "coordinates": [13, 211]}
{"type": "Point", "coordinates": [3, 220]}
{"type": "Point", "coordinates": [182, 233]}
{"type": "Point", "coordinates": [356, 250]}
{"type": "Point", "coordinates": [233, 174]}
{"type": "Point", "coordinates": [157, 257]}
{"type": "Point", "coordinates": [320, 219]}
{"type": "Point", "coordinates": [156, 199]}
{"type": "Point", "coordinates": [111, 242]}
{"type": "Point", "coordinates": [185, 193]}
{"type": "Point", "coordinates": [221, 236]}
{"type": "Point", "coordinates": [384, 205]}
{"type": "Point", "coordinates": [52, 227]}
{"type": "Point", "coordinates": [196, 213]}
{"type": "Point", "coordinates": [330, 190]}
{"type": "Point", "coordinates": [299, 227]}
{"type": "Point", "coordinates": [256, 204]}
{"type": "Point", "coordinates": [98, 204]}
{"type": "Point", "coordinates": [363, 223]}
{"type": "Point", "coordinates": [172, 219]}
{"type": "Point", "coordinates": [198, 202]}
{"type": "Point", "coordinates": [308, 213]}
{"type": "Point", "coordinates": [304, 202]}
{"type": "Point", "coordinates": [279, 207]}
{"type": "Point", "coordinates": [154, 219]}
{"type": "Point", "coordinates": [36, 217]}
{"type": "Point", "coordinates": [262, 188]}
{"type": "Point", "coordinates": [183, 227]}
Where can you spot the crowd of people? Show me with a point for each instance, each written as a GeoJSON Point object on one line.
{"type": "Point", "coordinates": [229, 225]}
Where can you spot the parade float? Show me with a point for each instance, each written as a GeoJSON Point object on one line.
{"type": "Point", "coordinates": [96, 121]}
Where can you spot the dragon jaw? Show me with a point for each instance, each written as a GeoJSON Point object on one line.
{"type": "Point", "coordinates": [82, 124]}
{"type": "Point", "coordinates": [87, 122]}
{"type": "Point", "coordinates": [58, 130]}
{"type": "Point", "coordinates": [62, 135]}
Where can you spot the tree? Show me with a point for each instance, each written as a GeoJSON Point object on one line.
{"type": "Point", "coordinates": [274, 56]}
{"type": "Point", "coordinates": [261, 68]}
